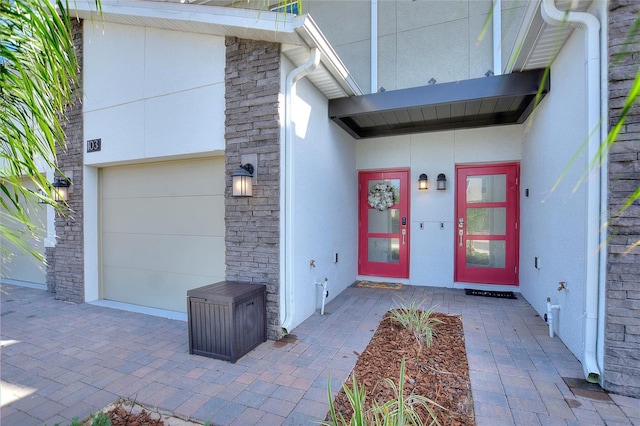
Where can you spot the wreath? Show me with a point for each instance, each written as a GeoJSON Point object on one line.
{"type": "Point", "coordinates": [382, 196]}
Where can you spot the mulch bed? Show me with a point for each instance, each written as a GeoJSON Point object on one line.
{"type": "Point", "coordinates": [439, 372]}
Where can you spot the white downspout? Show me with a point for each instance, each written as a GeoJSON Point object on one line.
{"type": "Point", "coordinates": [604, 182]}
{"type": "Point", "coordinates": [497, 37]}
{"type": "Point", "coordinates": [595, 220]}
{"type": "Point", "coordinates": [374, 46]}
{"type": "Point", "coordinates": [286, 286]}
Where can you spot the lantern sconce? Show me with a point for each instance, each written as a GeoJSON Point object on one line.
{"type": "Point", "coordinates": [61, 189]}
{"type": "Point", "coordinates": [242, 181]}
{"type": "Point", "coordinates": [442, 182]}
{"type": "Point", "coordinates": [423, 182]}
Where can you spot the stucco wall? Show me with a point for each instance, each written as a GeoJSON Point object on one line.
{"type": "Point", "coordinates": [165, 89]}
{"type": "Point", "coordinates": [622, 347]}
{"type": "Point", "coordinates": [417, 40]}
{"type": "Point", "coordinates": [324, 202]}
{"type": "Point", "coordinates": [553, 221]}
{"type": "Point", "coordinates": [432, 248]}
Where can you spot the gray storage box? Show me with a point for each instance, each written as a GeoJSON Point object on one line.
{"type": "Point", "coordinates": [226, 319]}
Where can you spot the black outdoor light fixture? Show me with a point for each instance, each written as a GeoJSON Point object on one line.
{"type": "Point", "coordinates": [441, 182]}
{"type": "Point", "coordinates": [61, 189]}
{"type": "Point", "coordinates": [423, 181]}
{"type": "Point", "coordinates": [242, 181]}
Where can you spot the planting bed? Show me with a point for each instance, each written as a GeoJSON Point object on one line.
{"type": "Point", "coordinates": [439, 372]}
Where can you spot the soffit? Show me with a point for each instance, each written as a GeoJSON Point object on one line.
{"type": "Point", "coordinates": [538, 43]}
{"type": "Point", "coordinates": [488, 101]}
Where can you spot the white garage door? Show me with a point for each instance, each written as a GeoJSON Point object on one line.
{"type": "Point", "coordinates": [17, 265]}
{"type": "Point", "coordinates": [162, 231]}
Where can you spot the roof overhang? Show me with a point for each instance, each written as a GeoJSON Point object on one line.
{"type": "Point", "coordinates": [297, 34]}
{"type": "Point", "coordinates": [487, 101]}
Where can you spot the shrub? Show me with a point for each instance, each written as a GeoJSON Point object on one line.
{"type": "Point", "coordinates": [420, 322]}
{"type": "Point", "coordinates": [399, 411]}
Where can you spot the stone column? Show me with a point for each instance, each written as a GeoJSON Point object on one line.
{"type": "Point", "coordinates": [65, 261]}
{"type": "Point", "coordinates": [622, 332]}
{"type": "Point", "coordinates": [252, 134]}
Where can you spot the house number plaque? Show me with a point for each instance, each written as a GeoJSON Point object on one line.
{"type": "Point", "coordinates": [94, 145]}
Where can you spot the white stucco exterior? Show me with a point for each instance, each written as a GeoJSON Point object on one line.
{"type": "Point", "coordinates": [554, 219]}
{"type": "Point", "coordinates": [325, 197]}
{"type": "Point", "coordinates": [165, 89]}
{"type": "Point", "coordinates": [155, 95]}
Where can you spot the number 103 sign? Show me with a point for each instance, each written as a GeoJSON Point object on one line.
{"type": "Point", "coordinates": [94, 145]}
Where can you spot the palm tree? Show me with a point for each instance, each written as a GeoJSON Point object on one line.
{"type": "Point", "coordinates": [38, 75]}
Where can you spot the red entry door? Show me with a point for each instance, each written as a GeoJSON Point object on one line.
{"type": "Point", "coordinates": [487, 211]}
{"type": "Point", "coordinates": [383, 236]}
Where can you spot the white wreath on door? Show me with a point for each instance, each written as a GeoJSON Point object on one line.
{"type": "Point", "coordinates": [381, 196]}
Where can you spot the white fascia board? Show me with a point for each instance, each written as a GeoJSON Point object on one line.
{"type": "Point", "coordinates": [223, 21]}
{"type": "Point", "coordinates": [313, 37]}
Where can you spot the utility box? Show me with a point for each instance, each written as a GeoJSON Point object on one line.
{"type": "Point", "coordinates": [226, 319]}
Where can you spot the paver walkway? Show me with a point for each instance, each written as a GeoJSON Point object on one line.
{"type": "Point", "coordinates": [62, 360]}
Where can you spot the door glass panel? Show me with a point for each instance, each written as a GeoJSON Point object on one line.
{"type": "Point", "coordinates": [487, 221]}
{"type": "Point", "coordinates": [384, 222]}
{"type": "Point", "coordinates": [376, 189]}
{"type": "Point", "coordinates": [384, 250]}
{"type": "Point", "coordinates": [486, 189]}
{"type": "Point", "coordinates": [485, 254]}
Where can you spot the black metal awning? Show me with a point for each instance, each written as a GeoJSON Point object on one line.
{"type": "Point", "coordinates": [487, 101]}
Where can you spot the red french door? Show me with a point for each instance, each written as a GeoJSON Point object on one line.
{"type": "Point", "coordinates": [487, 210]}
{"type": "Point", "coordinates": [383, 236]}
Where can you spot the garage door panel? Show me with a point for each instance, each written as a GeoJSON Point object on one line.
{"type": "Point", "coordinates": [162, 230]}
{"type": "Point", "coordinates": [203, 215]}
{"type": "Point", "coordinates": [160, 290]}
{"type": "Point", "coordinates": [177, 178]}
{"type": "Point", "coordinates": [165, 253]}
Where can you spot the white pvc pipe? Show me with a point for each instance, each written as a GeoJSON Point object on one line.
{"type": "Point", "coordinates": [550, 316]}
{"type": "Point", "coordinates": [325, 293]}
{"type": "Point", "coordinates": [591, 26]}
{"type": "Point", "coordinates": [286, 152]}
{"type": "Point", "coordinates": [374, 46]}
{"type": "Point", "coordinates": [497, 37]}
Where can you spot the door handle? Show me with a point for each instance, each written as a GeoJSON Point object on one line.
{"type": "Point", "coordinates": [404, 234]}
{"type": "Point", "coordinates": [460, 234]}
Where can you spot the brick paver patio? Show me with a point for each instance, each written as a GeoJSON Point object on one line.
{"type": "Point", "coordinates": [62, 360]}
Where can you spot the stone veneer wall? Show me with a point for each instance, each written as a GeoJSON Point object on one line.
{"type": "Point", "coordinates": [252, 128]}
{"type": "Point", "coordinates": [65, 261]}
{"type": "Point", "coordinates": [622, 334]}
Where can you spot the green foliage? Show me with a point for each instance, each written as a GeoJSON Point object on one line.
{"type": "Point", "coordinates": [38, 77]}
{"type": "Point", "coordinates": [399, 411]}
{"type": "Point", "coordinates": [100, 419]}
{"type": "Point", "coordinates": [417, 320]}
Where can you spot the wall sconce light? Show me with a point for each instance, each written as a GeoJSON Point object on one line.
{"type": "Point", "coordinates": [423, 181]}
{"type": "Point", "coordinates": [442, 182]}
{"type": "Point", "coordinates": [61, 189]}
{"type": "Point", "coordinates": [242, 181]}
